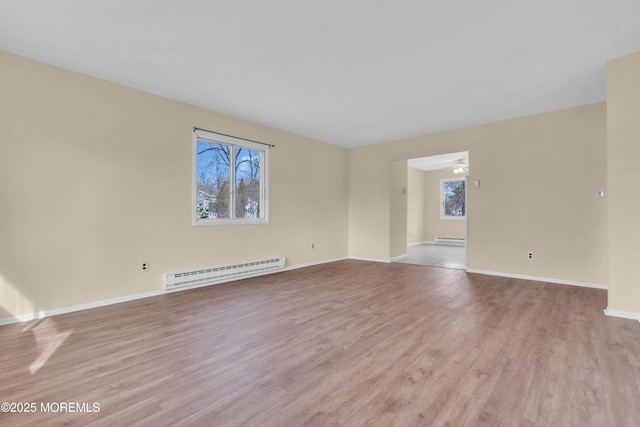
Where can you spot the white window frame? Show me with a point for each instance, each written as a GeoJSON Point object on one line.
{"type": "Point", "coordinates": [442, 197]}
{"type": "Point", "coordinates": [218, 138]}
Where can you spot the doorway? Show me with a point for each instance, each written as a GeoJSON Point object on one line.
{"type": "Point", "coordinates": [437, 215]}
{"type": "Point", "coordinates": [436, 255]}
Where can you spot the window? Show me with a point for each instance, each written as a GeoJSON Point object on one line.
{"type": "Point", "coordinates": [452, 198]}
{"type": "Point", "coordinates": [230, 180]}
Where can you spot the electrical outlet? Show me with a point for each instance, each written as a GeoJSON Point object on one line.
{"type": "Point", "coordinates": [145, 266]}
{"type": "Point", "coordinates": [313, 246]}
{"type": "Point", "coordinates": [529, 255]}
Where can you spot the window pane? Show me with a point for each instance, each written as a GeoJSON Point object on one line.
{"type": "Point", "coordinates": [453, 192]}
{"type": "Point", "coordinates": [213, 169]}
{"type": "Point", "coordinates": [247, 183]}
{"type": "Point", "coordinates": [229, 180]}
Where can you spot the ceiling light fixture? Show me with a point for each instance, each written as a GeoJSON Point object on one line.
{"type": "Point", "coordinates": [460, 167]}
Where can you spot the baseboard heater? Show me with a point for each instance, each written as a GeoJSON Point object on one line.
{"type": "Point", "coordinates": [224, 273]}
{"type": "Point", "coordinates": [455, 241]}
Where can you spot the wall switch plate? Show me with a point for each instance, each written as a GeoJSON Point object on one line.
{"type": "Point", "coordinates": [476, 183]}
{"type": "Point", "coordinates": [599, 194]}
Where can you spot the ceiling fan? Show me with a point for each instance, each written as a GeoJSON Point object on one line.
{"type": "Point", "coordinates": [460, 166]}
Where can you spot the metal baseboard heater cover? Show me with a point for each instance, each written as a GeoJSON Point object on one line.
{"type": "Point", "coordinates": [457, 241]}
{"type": "Point", "coordinates": [221, 274]}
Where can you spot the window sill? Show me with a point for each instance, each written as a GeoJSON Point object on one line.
{"type": "Point", "coordinates": [218, 222]}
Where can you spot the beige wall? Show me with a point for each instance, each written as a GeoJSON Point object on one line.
{"type": "Point", "coordinates": [95, 178]}
{"type": "Point", "coordinates": [623, 134]}
{"type": "Point", "coordinates": [415, 206]}
{"type": "Point", "coordinates": [433, 225]}
{"type": "Point", "coordinates": [369, 207]}
{"type": "Point", "coordinates": [538, 179]}
{"type": "Point", "coordinates": [398, 214]}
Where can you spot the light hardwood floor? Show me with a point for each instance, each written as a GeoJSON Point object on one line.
{"type": "Point", "coordinates": [437, 256]}
{"type": "Point", "coordinates": [350, 343]}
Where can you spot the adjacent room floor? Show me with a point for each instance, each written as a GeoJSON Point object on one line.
{"type": "Point", "coordinates": [349, 343]}
{"type": "Point", "coordinates": [437, 256]}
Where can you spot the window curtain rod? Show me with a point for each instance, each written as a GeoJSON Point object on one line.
{"type": "Point", "coordinates": [232, 136]}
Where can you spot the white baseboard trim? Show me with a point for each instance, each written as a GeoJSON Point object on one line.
{"type": "Point", "coordinates": [357, 258]}
{"type": "Point", "coordinates": [116, 300]}
{"type": "Point", "coordinates": [428, 242]}
{"type": "Point", "coordinates": [79, 307]}
{"type": "Point", "coordinates": [311, 264]}
{"type": "Point", "coordinates": [538, 279]}
{"type": "Point", "coordinates": [622, 314]}
{"type": "Point", "coordinates": [385, 261]}
{"type": "Point", "coordinates": [95, 304]}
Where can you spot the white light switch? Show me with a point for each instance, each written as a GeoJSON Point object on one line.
{"type": "Point", "coordinates": [476, 183]}
{"type": "Point", "coordinates": [599, 194]}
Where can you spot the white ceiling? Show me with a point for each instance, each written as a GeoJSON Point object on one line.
{"type": "Point", "coordinates": [345, 72]}
{"type": "Point", "coordinates": [442, 161]}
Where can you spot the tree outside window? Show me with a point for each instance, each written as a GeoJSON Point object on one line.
{"type": "Point", "coordinates": [452, 198]}
{"type": "Point", "coordinates": [230, 180]}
